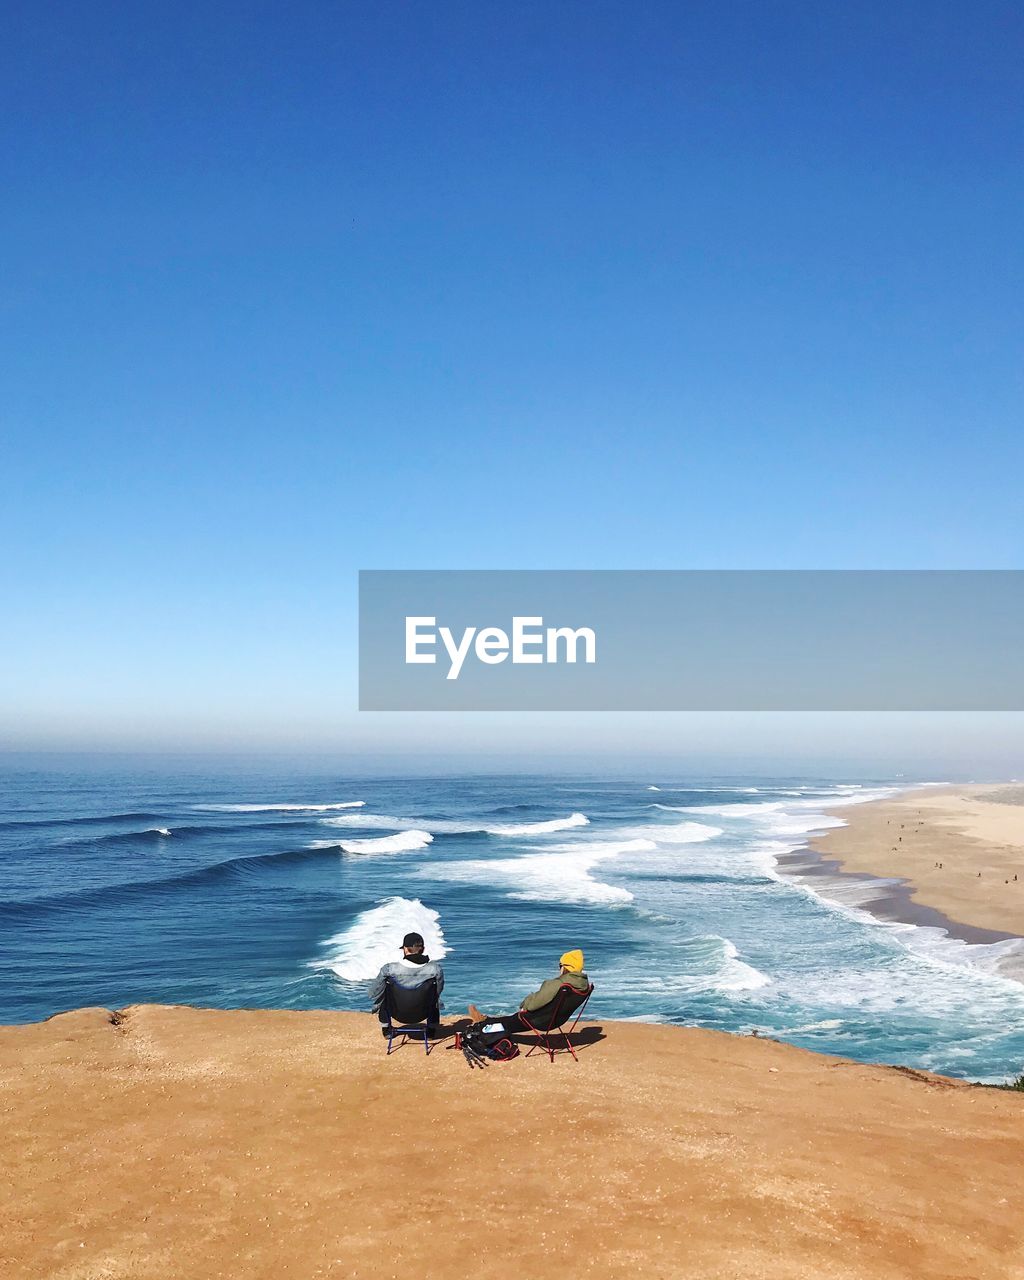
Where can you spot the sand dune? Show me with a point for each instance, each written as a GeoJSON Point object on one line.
{"type": "Point", "coordinates": [174, 1142]}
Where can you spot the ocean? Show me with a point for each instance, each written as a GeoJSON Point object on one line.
{"type": "Point", "coordinates": [288, 888]}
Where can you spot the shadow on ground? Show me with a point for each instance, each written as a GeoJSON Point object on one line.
{"type": "Point", "coordinates": [582, 1038]}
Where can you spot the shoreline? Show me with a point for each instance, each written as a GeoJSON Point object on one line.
{"type": "Point", "coordinates": [891, 901]}
{"type": "Point", "coordinates": [909, 883]}
{"type": "Point", "coordinates": [163, 1141]}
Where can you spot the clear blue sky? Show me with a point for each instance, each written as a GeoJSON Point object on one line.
{"type": "Point", "coordinates": [291, 290]}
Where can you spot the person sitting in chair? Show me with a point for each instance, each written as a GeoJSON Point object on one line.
{"type": "Point", "coordinates": [413, 970]}
{"type": "Point", "coordinates": [570, 974]}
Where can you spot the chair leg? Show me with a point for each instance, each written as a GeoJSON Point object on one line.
{"type": "Point", "coordinates": [572, 1031]}
{"type": "Point", "coordinates": [395, 1032]}
{"type": "Point", "coordinates": [548, 1044]}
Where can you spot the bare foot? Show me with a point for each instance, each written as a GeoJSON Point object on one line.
{"type": "Point", "coordinates": [476, 1015]}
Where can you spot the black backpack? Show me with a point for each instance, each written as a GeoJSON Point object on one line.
{"type": "Point", "coordinates": [479, 1048]}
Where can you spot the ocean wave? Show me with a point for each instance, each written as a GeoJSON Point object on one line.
{"type": "Point", "coordinates": [457, 826]}
{"type": "Point", "coordinates": [187, 831]}
{"type": "Point", "coordinates": [702, 965]}
{"type": "Point", "coordinates": [151, 835]}
{"type": "Point", "coordinates": [278, 808]}
{"type": "Point", "coordinates": [375, 937]}
{"type": "Point", "coordinates": [791, 816]}
{"type": "Point", "coordinates": [563, 872]}
{"type": "Point", "coordinates": [540, 828]}
{"type": "Point", "coordinates": [557, 873]}
{"type": "Point", "coordinates": [388, 822]}
{"type": "Point", "coordinates": [710, 791]}
{"type": "Point", "coordinates": [38, 824]}
{"type": "Point", "coordinates": [738, 810]}
{"type": "Point", "coordinates": [403, 842]}
{"type": "Point", "coordinates": [736, 974]}
{"type": "Point", "coordinates": [126, 891]}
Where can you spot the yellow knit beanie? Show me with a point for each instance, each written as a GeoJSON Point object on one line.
{"type": "Point", "coordinates": [573, 961]}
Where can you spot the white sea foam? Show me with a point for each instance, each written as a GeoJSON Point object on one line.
{"type": "Point", "coordinates": [740, 809]}
{"type": "Point", "coordinates": [402, 842]}
{"type": "Point", "coordinates": [562, 872]}
{"type": "Point", "coordinates": [1000, 962]}
{"type": "Point", "coordinates": [736, 974]}
{"type": "Point", "coordinates": [557, 873]}
{"type": "Point", "coordinates": [779, 826]}
{"type": "Point", "coordinates": [674, 833]}
{"type": "Point", "coordinates": [829, 1024]}
{"type": "Point", "coordinates": [374, 937]}
{"type": "Point", "coordinates": [788, 817]}
{"type": "Point", "coordinates": [709, 963]}
{"type": "Point", "coordinates": [456, 826]}
{"type": "Point", "coordinates": [935, 986]}
{"type": "Point", "coordinates": [159, 831]}
{"type": "Point", "coordinates": [786, 824]}
{"type": "Point", "coordinates": [278, 808]}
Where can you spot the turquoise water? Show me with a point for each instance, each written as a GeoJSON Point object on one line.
{"type": "Point", "coordinates": [288, 889]}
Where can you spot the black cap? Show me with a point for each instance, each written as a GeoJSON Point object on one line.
{"type": "Point", "coordinates": [412, 940]}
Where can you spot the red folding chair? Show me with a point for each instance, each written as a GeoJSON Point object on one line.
{"type": "Point", "coordinates": [548, 1022]}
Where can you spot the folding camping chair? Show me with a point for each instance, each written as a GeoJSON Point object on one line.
{"type": "Point", "coordinates": [410, 1011]}
{"type": "Point", "coordinates": [548, 1022]}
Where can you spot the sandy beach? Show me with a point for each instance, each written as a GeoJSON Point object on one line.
{"type": "Point", "coordinates": [953, 856]}
{"type": "Point", "coordinates": [174, 1142]}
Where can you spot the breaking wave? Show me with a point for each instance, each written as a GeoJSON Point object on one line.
{"type": "Point", "coordinates": [372, 939]}
{"type": "Point", "coordinates": [450, 826]}
{"type": "Point", "coordinates": [558, 873]}
{"type": "Point", "coordinates": [540, 828]}
{"type": "Point", "coordinates": [403, 842]}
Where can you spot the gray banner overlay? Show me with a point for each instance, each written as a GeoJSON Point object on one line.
{"type": "Point", "coordinates": [691, 640]}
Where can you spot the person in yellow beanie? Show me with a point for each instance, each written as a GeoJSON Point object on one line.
{"type": "Point", "coordinates": [570, 974]}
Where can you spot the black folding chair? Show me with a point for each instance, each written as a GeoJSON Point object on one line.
{"type": "Point", "coordinates": [548, 1022]}
{"type": "Point", "coordinates": [410, 1011]}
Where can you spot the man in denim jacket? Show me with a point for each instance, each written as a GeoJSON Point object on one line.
{"type": "Point", "coordinates": [413, 970]}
